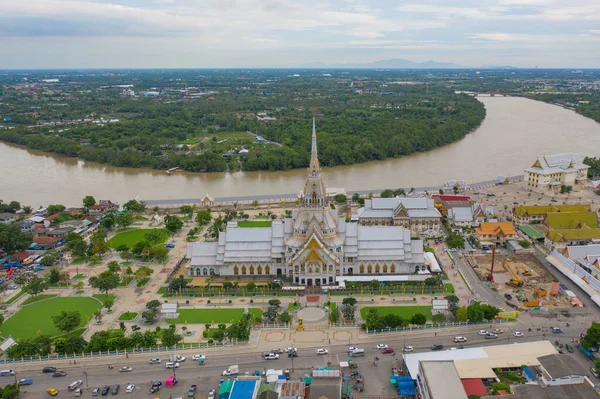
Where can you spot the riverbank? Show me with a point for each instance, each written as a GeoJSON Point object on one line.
{"type": "Point", "coordinates": [515, 132]}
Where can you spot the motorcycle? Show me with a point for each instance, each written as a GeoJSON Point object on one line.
{"type": "Point", "coordinates": [110, 367]}
{"type": "Point", "coordinates": [568, 325]}
{"type": "Point", "coordinates": [529, 329]}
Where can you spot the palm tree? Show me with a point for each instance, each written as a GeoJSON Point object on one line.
{"type": "Point", "coordinates": [98, 316]}
{"type": "Point", "coordinates": [64, 277]}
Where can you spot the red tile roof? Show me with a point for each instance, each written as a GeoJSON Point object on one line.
{"type": "Point", "coordinates": [53, 216]}
{"type": "Point", "coordinates": [21, 256]}
{"type": "Point", "coordinates": [45, 240]}
{"type": "Point", "coordinates": [451, 197]}
{"type": "Point", "coordinates": [474, 387]}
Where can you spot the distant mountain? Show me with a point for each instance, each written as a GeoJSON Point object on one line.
{"type": "Point", "coordinates": [387, 64]}
{"type": "Point", "coordinates": [498, 67]}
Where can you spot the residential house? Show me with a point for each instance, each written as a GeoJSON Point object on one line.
{"type": "Point", "coordinates": [559, 370]}
{"type": "Point", "coordinates": [6, 218]}
{"type": "Point", "coordinates": [550, 172]}
{"type": "Point", "coordinates": [537, 213]}
{"type": "Point", "coordinates": [102, 208]}
{"type": "Point", "coordinates": [43, 242]}
{"type": "Point", "coordinates": [60, 232]}
{"type": "Point", "coordinates": [40, 212]}
{"type": "Point", "coordinates": [27, 226]}
{"type": "Point", "coordinates": [40, 221]}
{"type": "Point", "coordinates": [571, 228]}
{"type": "Point", "coordinates": [495, 233]}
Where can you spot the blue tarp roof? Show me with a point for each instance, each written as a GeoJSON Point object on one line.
{"type": "Point", "coordinates": [406, 386]}
{"type": "Point", "coordinates": [528, 373]}
{"type": "Point", "coordinates": [242, 389]}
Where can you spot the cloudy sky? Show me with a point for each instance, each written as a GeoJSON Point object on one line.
{"type": "Point", "coordinates": [287, 33]}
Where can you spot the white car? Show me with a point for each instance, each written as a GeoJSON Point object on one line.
{"type": "Point", "coordinates": [291, 349]}
{"type": "Point", "coordinates": [154, 361]}
{"type": "Point", "coordinates": [130, 388]}
{"type": "Point", "coordinates": [382, 346]}
{"type": "Point", "coordinates": [351, 349]}
{"type": "Point", "coordinates": [407, 348]}
{"type": "Point", "coordinates": [460, 339]}
{"type": "Point", "coordinates": [172, 365]}
{"type": "Point", "coordinates": [518, 334]}
{"type": "Point", "coordinates": [321, 351]}
{"type": "Point", "coordinates": [198, 357]}
{"type": "Point", "coordinates": [483, 332]}
{"type": "Point", "coordinates": [125, 369]}
{"type": "Point", "coordinates": [498, 331]}
{"type": "Point", "coordinates": [211, 394]}
{"type": "Point", "coordinates": [271, 356]}
{"type": "Point", "coordinates": [180, 358]}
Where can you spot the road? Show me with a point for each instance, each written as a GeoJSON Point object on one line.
{"type": "Point", "coordinates": [207, 376]}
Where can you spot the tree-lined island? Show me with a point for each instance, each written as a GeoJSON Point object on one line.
{"type": "Point", "coordinates": [207, 121]}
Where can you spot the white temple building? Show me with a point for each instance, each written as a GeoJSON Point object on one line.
{"type": "Point", "coordinates": [550, 172]}
{"type": "Point", "coordinates": [313, 247]}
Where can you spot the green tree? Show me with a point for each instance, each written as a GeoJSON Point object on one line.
{"type": "Point", "coordinates": [178, 283]}
{"type": "Point", "coordinates": [335, 315]}
{"type": "Point", "coordinates": [251, 286]}
{"type": "Point", "coordinates": [525, 243]}
{"type": "Point", "coordinates": [475, 313]}
{"type": "Point", "coordinates": [53, 276]}
{"type": "Point", "coordinates": [109, 302]}
{"type": "Point", "coordinates": [274, 303]}
{"type": "Point", "coordinates": [143, 272]}
{"type": "Point", "coordinates": [374, 284]}
{"type": "Point", "coordinates": [10, 391]}
{"type": "Point", "coordinates": [52, 209]}
{"type": "Point", "coordinates": [135, 206]}
{"type": "Point", "coordinates": [455, 241]}
{"type": "Point", "coordinates": [285, 317]}
{"type": "Point", "coordinates": [98, 244]}
{"type": "Point", "coordinates": [36, 286]}
{"type": "Point", "coordinates": [154, 236]}
{"type": "Point", "coordinates": [169, 338]}
{"type": "Point", "coordinates": [461, 314]}
{"type": "Point", "coordinates": [113, 266]}
{"type": "Point", "coordinates": [591, 339]}
{"type": "Point", "coordinates": [438, 318]}
{"type": "Point", "coordinates": [203, 217]}
{"type": "Point", "coordinates": [67, 321]}
{"type": "Point", "coordinates": [148, 316]}
{"type": "Point", "coordinates": [78, 248]}
{"type": "Point", "coordinates": [489, 311]}
{"type": "Point", "coordinates": [355, 197]}
{"type": "Point", "coordinates": [350, 301]}
{"type": "Point", "coordinates": [187, 210]}
{"type": "Point", "coordinates": [105, 282]}
{"type": "Point", "coordinates": [418, 319]}
{"type": "Point", "coordinates": [126, 255]}
{"type": "Point", "coordinates": [173, 223]}
{"type": "Point", "coordinates": [124, 219]}
{"type": "Point", "coordinates": [12, 239]}
{"type": "Point", "coordinates": [340, 199]}
{"type": "Point", "coordinates": [108, 222]}
{"type": "Point", "coordinates": [69, 345]}
{"type": "Point", "coordinates": [89, 201]}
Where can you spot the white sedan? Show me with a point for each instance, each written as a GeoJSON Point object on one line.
{"type": "Point", "coordinates": [483, 332]}
{"type": "Point", "coordinates": [124, 369]}
{"type": "Point", "coordinates": [460, 339]}
{"type": "Point", "coordinates": [382, 346]}
{"type": "Point", "coordinates": [518, 334]}
{"type": "Point", "coordinates": [321, 351]}
{"type": "Point", "coordinates": [198, 357]}
{"type": "Point", "coordinates": [130, 388]}
{"type": "Point", "coordinates": [291, 349]}
{"type": "Point", "coordinates": [351, 349]}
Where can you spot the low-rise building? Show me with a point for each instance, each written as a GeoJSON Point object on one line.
{"type": "Point", "coordinates": [537, 213]}
{"type": "Point", "coordinates": [419, 215]}
{"type": "Point", "coordinates": [439, 306]}
{"type": "Point", "coordinates": [550, 172]}
{"type": "Point", "coordinates": [439, 380]}
{"type": "Point", "coordinates": [571, 228]}
{"type": "Point", "coordinates": [495, 232]}
{"type": "Point", "coordinates": [6, 218]}
{"type": "Point", "coordinates": [561, 370]}
{"type": "Point", "coordinates": [460, 216]}
{"type": "Point", "coordinates": [43, 242]}
{"type": "Point", "coordinates": [102, 208]}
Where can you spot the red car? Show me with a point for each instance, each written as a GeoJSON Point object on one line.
{"type": "Point", "coordinates": [387, 351]}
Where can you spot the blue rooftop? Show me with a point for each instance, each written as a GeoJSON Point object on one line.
{"type": "Point", "coordinates": [243, 389]}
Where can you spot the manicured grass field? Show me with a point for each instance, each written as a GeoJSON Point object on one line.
{"type": "Point", "coordinates": [38, 317]}
{"type": "Point", "coordinates": [15, 297]}
{"type": "Point", "coordinates": [143, 282]}
{"type": "Point", "coordinates": [132, 237]}
{"type": "Point", "coordinates": [406, 312]}
{"type": "Point", "coordinates": [128, 316]}
{"type": "Point", "coordinates": [254, 223]}
{"type": "Point", "coordinates": [102, 297]}
{"type": "Point", "coordinates": [203, 316]}
{"type": "Point", "coordinates": [79, 276]}
{"type": "Point", "coordinates": [449, 288]}
{"type": "Point", "coordinates": [38, 298]}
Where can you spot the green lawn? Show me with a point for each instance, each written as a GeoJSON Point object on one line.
{"type": "Point", "coordinates": [406, 312]}
{"type": "Point", "coordinates": [128, 316]}
{"type": "Point", "coordinates": [79, 276]}
{"type": "Point", "coordinates": [254, 223]}
{"type": "Point", "coordinates": [37, 318]}
{"type": "Point", "coordinates": [293, 305]}
{"type": "Point", "coordinates": [132, 237]}
{"type": "Point", "coordinates": [102, 297]}
{"type": "Point", "coordinates": [38, 298]}
{"type": "Point", "coordinates": [15, 297]}
{"type": "Point", "coordinates": [203, 316]}
{"type": "Point", "coordinates": [143, 282]}
{"type": "Point", "coordinates": [125, 282]}
{"type": "Point", "coordinates": [79, 261]}
{"type": "Point", "coordinates": [449, 288]}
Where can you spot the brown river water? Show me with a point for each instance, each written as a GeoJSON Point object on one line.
{"type": "Point", "coordinates": [515, 132]}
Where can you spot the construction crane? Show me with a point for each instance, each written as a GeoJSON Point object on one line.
{"type": "Point", "coordinates": [515, 281]}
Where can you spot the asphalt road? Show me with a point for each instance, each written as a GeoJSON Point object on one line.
{"type": "Point", "coordinates": [207, 376]}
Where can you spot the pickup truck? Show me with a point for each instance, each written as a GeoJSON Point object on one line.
{"type": "Point", "coordinates": [232, 370]}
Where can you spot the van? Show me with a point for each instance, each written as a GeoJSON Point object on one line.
{"type": "Point", "coordinates": [25, 381]}
{"type": "Point", "coordinates": [74, 385]}
{"type": "Point", "coordinates": [5, 373]}
{"type": "Point", "coordinates": [357, 352]}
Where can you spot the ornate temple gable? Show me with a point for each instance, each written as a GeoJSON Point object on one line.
{"type": "Point", "coordinates": [314, 251]}
{"type": "Point", "coordinates": [400, 211]}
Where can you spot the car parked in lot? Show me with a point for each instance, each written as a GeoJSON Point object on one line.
{"type": "Point", "coordinates": [115, 389]}
{"type": "Point", "coordinates": [130, 388]}
{"type": "Point", "coordinates": [569, 348]}
{"type": "Point", "coordinates": [192, 391]}
{"type": "Point", "coordinates": [437, 347]}
{"type": "Point", "coordinates": [321, 351]}
{"type": "Point", "coordinates": [382, 346]}
{"type": "Point", "coordinates": [105, 390]}
{"type": "Point", "coordinates": [460, 339]}
{"type": "Point", "coordinates": [96, 392]}
{"type": "Point", "coordinates": [52, 391]}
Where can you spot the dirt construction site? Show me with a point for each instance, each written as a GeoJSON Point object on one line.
{"type": "Point", "coordinates": [521, 276]}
